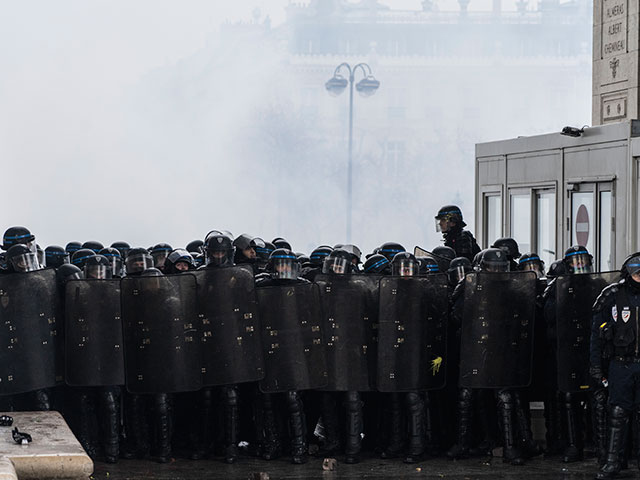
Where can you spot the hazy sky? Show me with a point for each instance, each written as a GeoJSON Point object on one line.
{"type": "Point", "coordinates": [86, 155]}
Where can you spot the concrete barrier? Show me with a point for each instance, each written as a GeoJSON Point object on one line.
{"type": "Point", "coordinates": [54, 453]}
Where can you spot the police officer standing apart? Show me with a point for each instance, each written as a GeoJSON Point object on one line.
{"type": "Point", "coordinates": [614, 334]}
{"type": "Point", "coordinates": [449, 222]}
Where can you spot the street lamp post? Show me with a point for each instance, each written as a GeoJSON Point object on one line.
{"type": "Point", "coordinates": [365, 87]}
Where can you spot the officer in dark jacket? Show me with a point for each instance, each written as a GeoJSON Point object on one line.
{"type": "Point", "coordinates": [449, 222]}
{"type": "Point", "coordinates": [283, 268]}
{"type": "Point", "coordinates": [614, 335]}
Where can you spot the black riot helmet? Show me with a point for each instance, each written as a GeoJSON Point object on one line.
{"type": "Point", "coordinates": [280, 242]}
{"type": "Point", "coordinates": [377, 263]}
{"type": "Point", "coordinates": [80, 256]}
{"type": "Point", "coordinates": [531, 262]}
{"type": "Point", "coordinates": [55, 256]}
{"type": "Point", "coordinates": [319, 255]}
{"type": "Point", "coordinates": [115, 260]}
{"type": "Point", "coordinates": [631, 266]}
{"type": "Point", "coordinates": [179, 260]}
{"type": "Point", "coordinates": [160, 252]}
{"type": "Point", "coordinates": [356, 253]}
{"type": "Point", "coordinates": [404, 264]}
{"type": "Point", "coordinates": [195, 246]}
{"type": "Point", "coordinates": [458, 268]}
{"type": "Point", "coordinates": [449, 213]}
{"type": "Point", "coordinates": [219, 250]}
{"type": "Point", "coordinates": [391, 249]}
{"type": "Point", "coordinates": [493, 260]}
{"type": "Point", "coordinates": [97, 267]}
{"type": "Point", "coordinates": [338, 262]}
{"type": "Point", "coordinates": [93, 245]}
{"type": "Point", "coordinates": [557, 268]}
{"type": "Point", "coordinates": [263, 254]}
{"type": "Point", "coordinates": [283, 264]}
{"type": "Point", "coordinates": [122, 247]}
{"type": "Point", "coordinates": [509, 245]}
{"type": "Point", "coordinates": [577, 259]}
{"type": "Point", "coordinates": [138, 261]}
{"type": "Point", "coordinates": [443, 255]}
{"type": "Point", "coordinates": [18, 235]}
{"type": "Point", "coordinates": [20, 258]}
{"type": "Point", "coordinates": [72, 247]}
{"type": "Point", "coordinates": [428, 265]}
{"type": "Point", "coordinates": [245, 246]}
{"type": "Point", "coordinates": [68, 272]}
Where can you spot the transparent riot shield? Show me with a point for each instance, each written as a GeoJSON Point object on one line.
{"type": "Point", "coordinates": [161, 334]}
{"type": "Point", "coordinates": [232, 349]}
{"type": "Point", "coordinates": [497, 330]}
{"type": "Point", "coordinates": [292, 339]}
{"type": "Point", "coordinates": [412, 334]}
{"type": "Point", "coordinates": [31, 326]}
{"type": "Point", "coordinates": [575, 296]}
{"type": "Point", "coordinates": [349, 313]}
{"type": "Point", "coordinates": [94, 348]}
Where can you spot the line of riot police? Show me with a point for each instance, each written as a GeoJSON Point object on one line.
{"type": "Point", "coordinates": [239, 339]}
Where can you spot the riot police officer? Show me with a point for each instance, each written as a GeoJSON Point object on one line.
{"type": "Point", "coordinates": [614, 335]}
{"type": "Point", "coordinates": [283, 268]}
{"type": "Point", "coordinates": [449, 221]}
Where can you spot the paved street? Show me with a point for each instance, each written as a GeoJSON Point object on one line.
{"type": "Point", "coordinates": [370, 468]}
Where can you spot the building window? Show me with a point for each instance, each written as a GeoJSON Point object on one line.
{"type": "Point", "coordinates": [493, 217]}
{"type": "Point", "coordinates": [520, 220]}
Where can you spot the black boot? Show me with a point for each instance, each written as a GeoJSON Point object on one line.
{"type": "Point", "coordinates": [574, 450]}
{"type": "Point", "coordinates": [353, 445]}
{"type": "Point", "coordinates": [511, 452]}
{"type": "Point", "coordinates": [465, 403]}
{"type": "Point", "coordinates": [330, 422]}
{"type": "Point", "coordinates": [553, 425]}
{"type": "Point", "coordinates": [163, 427]}
{"type": "Point", "coordinates": [86, 412]}
{"type": "Point", "coordinates": [136, 429]}
{"type": "Point", "coordinates": [394, 418]}
{"type": "Point", "coordinates": [415, 412]}
{"type": "Point", "coordinates": [271, 448]}
{"type": "Point", "coordinates": [617, 422]}
{"type": "Point", "coordinates": [599, 422]}
{"type": "Point", "coordinates": [232, 423]}
{"type": "Point", "coordinates": [523, 421]}
{"type": "Point", "coordinates": [110, 420]}
{"type": "Point", "coordinates": [431, 444]}
{"type": "Point", "coordinates": [297, 428]}
{"type": "Point", "coordinates": [201, 423]}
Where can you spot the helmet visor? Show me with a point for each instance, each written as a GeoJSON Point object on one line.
{"type": "Point", "coordinates": [533, 266]}
{"type": "Point", "coordinates": [138, 262]}
{"type": "Point", "coordinates": [100, 272]}
{"type": "Point", "coordinates": [26, 262]}
{"type": "Point", "coordinates": [633, 265]}
{"type": "Point", "coordinates": [579, 263]}
{"type": "Point", "coordinates": [404, 268]}
{"type": "Point", "coordinates": [495, 267]}
{"type": "Point", "coordinates": [285, 268]}
{"type": "Point", "coordinates": [337, 265]}
{"type": "Point", "coordinates": [456, 274]}
{"type": "Point", "coordinates": [159, 258]}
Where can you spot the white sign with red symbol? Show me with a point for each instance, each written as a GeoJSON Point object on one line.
{"type": "Point", "coordinates": [582, 225]}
